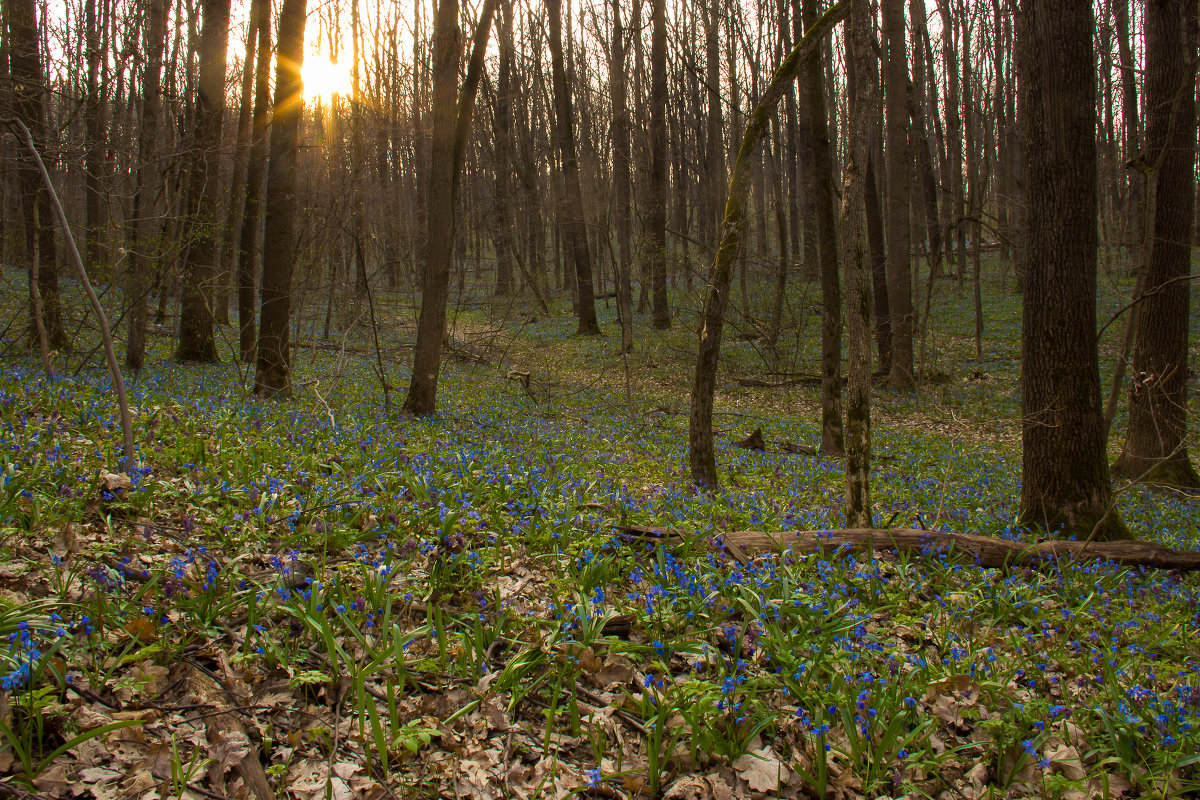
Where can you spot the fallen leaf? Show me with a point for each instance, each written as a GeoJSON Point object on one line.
{"type": "Point", "coordinates": [761, 770]}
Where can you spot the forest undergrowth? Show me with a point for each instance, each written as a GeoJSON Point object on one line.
{"type": "Point", "coordinates": [319, 598]}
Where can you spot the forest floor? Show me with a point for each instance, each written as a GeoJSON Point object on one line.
{"type": "Point", "coordinates": [325, 598]}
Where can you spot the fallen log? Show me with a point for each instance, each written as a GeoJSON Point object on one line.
{"type": "Point", "coordinates": [985, 551]}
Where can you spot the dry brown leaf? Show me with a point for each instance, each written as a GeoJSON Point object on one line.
{"type": "Point", "coordinates": [1067, 761]}
{"type": "Point", "coordinates": [694, 787]}
{"type": "Point", "coordinates": [762, 770]}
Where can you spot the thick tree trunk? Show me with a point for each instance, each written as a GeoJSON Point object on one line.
{"type": "Point", "coordinates": [144, 229]}
{"type": "Point", "coordinates": [273, 374]}
{"type": "Point", "coordinates": [701, 455]}
{"type": "Point", "coordinates": [571, 214]}
{"type": "Point", "coordinates": [1156, 443]}
{"type": "Point", "coordinates": [899, 246]}
{"type": "Point", "coordinates": [28, 105]}
{"type": "Point", "coordinates": [196, 319]}
{"type": "Point", "coordinates": [1065, 481]}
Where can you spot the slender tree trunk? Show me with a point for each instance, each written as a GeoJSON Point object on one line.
{"type": "Point", "coordinates": [247, 262]}
{"type": "Point", "coordinates": [143, 246]}
{"type": "Point", "coordinates": [237, 187]}
{"type": "Point", "coordinates": [1156, 443]}
{"type": "Point", "coordinates": [1129, 115]}
{"type": "Point", "coordinates": [824, 199]}
{"type": "Point", "coordinates": [196, 319]}
{"type": "Point", "coordinates": [899, 246]}
{"type": "Point", "coordinates": [701, 452]}
{"type": "Point", "coordinates": [452, 114]}
{"type": "Point", "coordinates": [503, 155]}
{"type": "Point", "coordinates": [621, 188]}
{"type": "Point", "coordinates": [656, 215]}
{"type": "Point", "coordinates": [877, 258]}
{"type": "Point", "coordinates": [273, 374]}
{"type": "Point", "coordinates": [571, 213]}
{"type": "Point", "coordinates": [1065, 480]}
{"type": "Point", "coordinates": [95, 166]}
{"type": "Point", "coordinates": [862, 127]}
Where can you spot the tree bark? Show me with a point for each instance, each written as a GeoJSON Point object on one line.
{"type": "Point", "coordinates": [983, 551]}
{"type": "Point", "coordinates": [621, 187]}
{"type": "Point", "coordinates": [452, 112]}
{"type": "Point", "coordinates": [862, 127]}
{"type": "Point", "coordinates": [899, 245]}
{"type": "Point", "coordinates": [143, 232]}
{"type": "Point", "coordinates": [247, 261]}
{"type": "Point", "coordinates": [824, 198]}
{"type": "Point", "coordinates": [656, 215]}
{"type": "Point", "coordinates": [95, 161]}
{"type": "Point", "coordinates": [1156, 443]}
{"type": "Point", "coordinates": [196, 319]}
{"type": "Point", "coordinates": [273, 374]}
{"type": "Point", "coordinates": [1065, 480]}
{"type": "Point", "coordinates": [29, 91]}
{"type": "Point", "coordinates": [571, 214]}
{"type": "Point", "coordinates": [701, 455]}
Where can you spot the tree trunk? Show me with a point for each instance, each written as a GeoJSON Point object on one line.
{"type": "Point", "coordinates": [1156, 443]}
{"type": "Point", "coordinates": [862, 121]}
{"type": "Point", "coordinates": [574, 224]}
{"type": "Point", "coordinates": [143, 235]}
{"type": "Point", "coordinates": [95, 161]}
{"type": "Point", "coordinates": [196, 320]}
{"type": "Point", "coordinates": [621, 188]}
{"type": "Point", "coordinates": [656, 215]}
{"type": "Point", "coordinates": [1065, 481]}
{"type": "Point", "coordinates": [451, 124]}
{"type": "Point", "coordinates": [1129, 114]}
{"type": "Point", "coordinates": [29, 106]}
{"type": "Point", "coordinates": [237, 188]}
{"type": "Point", "coordinates": [503, 155]}
{"type": "Point", "coordinates": [701, 455]}
{"type": "Point", "coordinates": [813, 98]}
{"type": "Point", "coordinates": [273, 375]}
{"type": "Point", "coordinates": [899, 245]}
{"type": "Point", "coordinates": [255, 170]}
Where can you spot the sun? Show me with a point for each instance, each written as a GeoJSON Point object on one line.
{"type": "Point", "coordinates": [324, 78]}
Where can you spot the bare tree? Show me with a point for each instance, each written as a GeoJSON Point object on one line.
{"type": "Point", "coordinates": [197, 341]}
{"type": "Point", "coordinates": [273, 373]}
{"type": "Point", "coordinates": [1065, 481]}
{"type": "Point", "coordinates": [143, 245]}
{"type": "Point", "coordinates": [452, 114]}
{"type": "Point", "coordinates": [701, 452]}
{"type": "Point", "coordinates": [28, 103]}
{"type": "Point", "coordinates": [572, 221]}
{"type": "Point", "coordinates": [863, 122]}
{"type": "Point", "coordinates": [1156, 446]}
{"type": "Point", "coordinates": [899, 164]}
